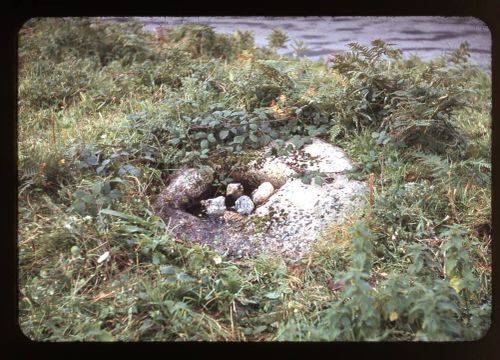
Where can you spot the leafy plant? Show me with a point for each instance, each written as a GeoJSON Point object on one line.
{"type": "Point", "coordinates": [101, 195]}
{"type": "Point", "coordinates": [277, 39]}
{"type": "Point", "coordinates": [411, 110]}
{"type": "Point", "coordinates": [299, 48]}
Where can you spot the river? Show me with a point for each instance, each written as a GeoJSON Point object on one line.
{"type": "Point", "coordinates": [426, 36]}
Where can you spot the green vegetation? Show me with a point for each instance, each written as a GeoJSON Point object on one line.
{"type": "Point", "coordinates": [106, 112]}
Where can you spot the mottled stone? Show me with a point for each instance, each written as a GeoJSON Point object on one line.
{"type": "Point", "coordinates": [271, 170]}
{"type": "Point", "coordinates": [329, 158]}
{"type": "Point", "coordinates": [235, 190]}
{"type": "Point", "coordinates": [185, 187]}
{"type": "Point", "coordinates": [262, 211]}
{"type": "Point", "coordinates": [215, 207]}
{"type": "Point", "coordinates": [185, 226]}
{"type": "Point", "coordinates": [262, 193]}
{"type": "Point", "coordinates": [244, 205]}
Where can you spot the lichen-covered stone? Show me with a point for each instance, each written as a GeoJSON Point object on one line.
{"type": "Point", "coordinates": [185, 187]}
{"type": "Point", "coordinates": [262, 193]}
{"type": "Point", "coordinates": [215, 207]}
{"type": "Point", "coordinates": [316, 156]}
{"type": "Point", "coordinates": [296, 213]}
{"type": "Point", "coordinates": [235, 190]}
{"type": "Point", "coordinates": [271, 170]}
{"type": "Point", "coordinates": [244, 205]}
{"type": "Point", "coordinates": [328, 158]}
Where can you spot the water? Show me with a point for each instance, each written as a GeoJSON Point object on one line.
{"type": "Point", "coordinates": [426, 36]}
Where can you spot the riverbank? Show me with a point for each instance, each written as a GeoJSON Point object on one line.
{"type": "Point", "coordinates": [426, 36]}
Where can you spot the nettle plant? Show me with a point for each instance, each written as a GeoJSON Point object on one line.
{"type": "Point", "coordinates": [95, 196]}
{"type": "Point", "coordinates": [430, 301]}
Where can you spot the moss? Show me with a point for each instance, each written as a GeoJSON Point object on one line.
{"type": "Point", "coordinates": [260, 223]}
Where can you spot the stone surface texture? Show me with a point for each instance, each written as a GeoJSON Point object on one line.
{"type": "Point", "coordinates": [215, 207]}
{"type": "Point", "coordinates": [231, 217]}
{"type": "Point", "coordinates": [244, 205]}
{"type": "Point", "coordinates": [262, 193]}
{"type": "Point", "coordinates": [235, 190]}
{"type": "Point", "coordinates": [185, 187]}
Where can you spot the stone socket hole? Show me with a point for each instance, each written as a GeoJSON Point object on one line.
{"type": "Point", "coordinates": [198, 210]}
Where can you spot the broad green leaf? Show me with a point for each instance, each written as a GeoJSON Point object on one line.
{"type": "Point", "coordinates": [106, 188]}
{"type": "Point", "coordinates": [211, 138]}
{"type": "Point", "coordinates": [200, 135]}
{"type": "Point", "coordinates": [214, 123]}
{"type": "Point", "coordinates": [297, 142]}
{"type": "Point", "coordinates": [272, 295]}
{"type": "Point", "coordinates": [318, 180]}
{"type": "Point", "coordinates": [240, 139]}
{"type": "Point", "coordinates": [259, 329]}
{"type": "Point", "coordinates": [204, 144]}
{"type": "Point", "coordinates": [266, 138]}
{"type": "Point", "coordinates": [183, 277]}
{"type": "Point", "coordinates": [92, 160]}
{"type": "Point", "coordinates": [253, 137]}
{"type": "Point", "coordinates": [79, 207]}
{"type": "Point", "coordinates": [129, 169]}
{"type": "Point", "coordinates": [115, 194]}
{"type": "Point", "coordinates": [79, 194]}
{"type": "Point", "coordinates": [168, 269]}
{"type": "Point", "coordinates": [122, 215]}
{"type": "Point", "coordinates": [223, 134]}
{"type": "Point", "coordinates": [306, 180]}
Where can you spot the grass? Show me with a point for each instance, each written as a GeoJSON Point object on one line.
{"type": "Point", "coordinates": [97, 143]}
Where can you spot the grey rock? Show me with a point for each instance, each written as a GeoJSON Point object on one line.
{"type": "Point", "coordinates": [244, 205]}
{"type": "Point", "coordinates": [215, 207]}
{"type": "Point", "coordinates": [272, 170]}
{"type": "Point", "coordinates": [235, 190]}
{"type": "Point", "coordinates": [262, 193]}
{"type": "Point", "coordinates": [185, 187]}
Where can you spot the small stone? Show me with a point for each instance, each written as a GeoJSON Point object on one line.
{"type": "Point", "coordinates": [235, 190]}
{"type": "Point", "coordinates": [215, 207]}
{"type": "Point", "coordinates": [244, 205]}
{"type": "Point", "coordinates": [262, 193]}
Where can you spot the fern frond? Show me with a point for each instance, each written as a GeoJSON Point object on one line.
{"type": "Point", "coordinates": [437, 165]}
